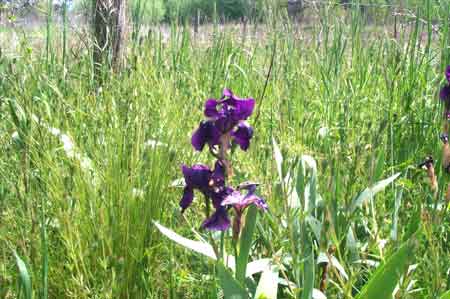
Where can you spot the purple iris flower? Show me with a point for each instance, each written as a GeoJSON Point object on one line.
{"type": "Point", "coordinates": [219, 220]}
{"type": "Point", "coordinates": [226, 117]}
{"type": "Point", "coordinates": [211, 183]}
{"type": "Point", "coordinates": [240, 201]}
{"type": "Point", "coordinates": [445, 91]}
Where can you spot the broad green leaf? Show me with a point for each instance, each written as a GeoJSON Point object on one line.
{"type": "Point", "coordinates": [268, 284]}
{"type": "Point", "coordinates": [232, 289]}
{"type": "Point", "coordinates": [446, 295]}
{"type": "Point", "coordinates": [197, 246]}
{"type": "Point", "coordinates": [309, 162]}
{"type": "Point", "coordinates": [398, 200]}
{"type": "Point", "coordinates": [24, 276]}
{"type": "Point", "coordinates": [257, 266]}
{"type": "Point", "coordinates": [308, 274]}
{"type": "Point", "coordinates": [352, 244]}
{"type": "Point", "coordinates": [317, 294]}
{"type": "Point", "coordinates": [370, 192]}
{"type": "Point", "coordinates": [307, 169]}
{"type": "Point", "coordinates": [246, 242]}
{"type": "Point", "coordinates": [252, 267]}
{"type": "Point", "coordinates": [278, 159]}
{"type": "Point", "coordinates": [383, 281]}
{"type": "Point", "coordinates": [315, 225]}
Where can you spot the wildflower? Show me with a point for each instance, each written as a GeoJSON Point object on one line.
{"type": "Point", "coordinates": [445, 152]}
{"type": "Point", "coordinates": [218, 221]}
{"type": "Point", "coordinates": [206, 133]}
{"type": "Point", "coordinates": [211, 183]}
{"type": "Point", "coordinates": [241, 201]}
{"type": "Point", "coordinates": [225, 123]}
{"type": "Point", "coordinates": [445, 91]}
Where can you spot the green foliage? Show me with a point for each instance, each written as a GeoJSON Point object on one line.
{"type": "Point", "coordinates": [148, 11]}
{"type": "Point", "coordinates": [232, 289]}
{"type": "Point", "coordinates": [24, 278]}
{"type": "Point", "coordinates": [383, 282]}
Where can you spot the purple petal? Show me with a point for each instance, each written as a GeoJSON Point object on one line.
{"type": "Point", "coordinates": [235, 199]}
{"type": "Point", "coordinates": [218, 221]}
{"type": "Point", "coordinates": [197, 176]}
{"type": "Point", "coordinates": [206, 133]}
{"type": "Point", "coordinates": [218, 174]}
{"type": "Point", "coordinates": [220, 195]}
{"type": "Point", "coordinates": [251, 198]}
{"type": "Point", "coordinates": [211, 108]}
{"type": "Point", "coordinates": [225, 124]}
{"type": "Point", "coordinates": [227, 93]}
{"type": "Point", "coordinates": [445, 93]}
{"type": "Point", "coordinates": [243, 109]}
{"type": "Point", "coordinates": [447, 73]}
{"type": "Point", "coordinates": [242, 135]}
{"type": "Point", "coordinates": [188, 197]}
{"type": "Point", "coordinates": [261, 204]}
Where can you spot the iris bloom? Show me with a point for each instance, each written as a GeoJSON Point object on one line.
{"type": "Point", "coordinates": [445, 91]}
{"type": "Point", "coordinates": [211, 183]}
{"type": "Point", "coordinates": [225, 121]}
{"type": "Point", "coordinates": [241, 201]}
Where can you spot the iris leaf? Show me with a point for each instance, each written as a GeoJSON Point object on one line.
{"type": "Point", "coordinates": [232, 289]}
{"type": "Point", "coordinates": [24, 276]}
{"type": "Point", "coordinates": [246, 242]}
{"type": "Point", "coordinates": [268, 284]}
{"type": "Point", "coordinates": [370, 192]}
{"type": "Point", "coordinates": [384, 280]}
{"type": "Point", "coordinates": [197, 246]}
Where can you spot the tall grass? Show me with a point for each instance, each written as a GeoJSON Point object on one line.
{"type": "Point", "coordinates": [86, 169]}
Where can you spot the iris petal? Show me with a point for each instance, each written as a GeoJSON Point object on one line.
{"type": "Point", "coordinates": [242, 135]}
{"type": "Point", "coordinates": [211, 108]}
{"type": "Point", "coordinates": [240, 201]}
{"type": "Point", "coordinates": [227, 93]}
{"type": "Point", "coordinates": [188, 197]}
{"type": "Point", "coordinates": [197, 176]}
{"type": "Point", "coordinates": [219, 196]}
{"type": "Point", "coordinates": [218, 174]}
{"type": "Point", "coordinates": [243, 109]}
{"type": "Point", "coordinates": [445, 93]}
{"type": "Point", "coordinates": [218, 221]}
{"type": "Point", "coordinates": [234, 199]}
{"type": "Point", "coordinates": [206, 133]}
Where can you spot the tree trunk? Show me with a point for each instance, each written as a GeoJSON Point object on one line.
{"type": "Point", "coordinates": [110, 28]}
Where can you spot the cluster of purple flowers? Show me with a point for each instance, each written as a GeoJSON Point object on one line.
{"type": "Point", "coordinates": [224, 126]}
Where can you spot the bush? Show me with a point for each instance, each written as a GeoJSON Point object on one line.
{"type": "Point", "coordinates": [228, 9]}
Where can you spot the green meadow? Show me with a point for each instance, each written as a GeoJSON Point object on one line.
{"type": "Point", "coordinates": [347, 106]}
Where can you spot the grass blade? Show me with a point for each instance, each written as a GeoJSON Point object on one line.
{"type": "Point", "coordinates": [446, 295]}
{"type": "Point", "coordinates": [24, 276]}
